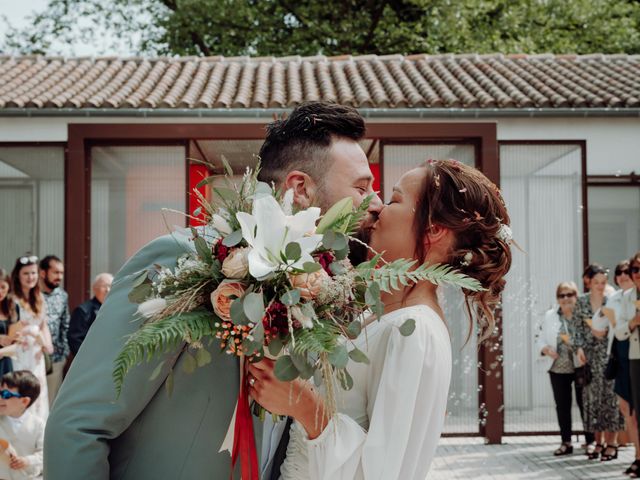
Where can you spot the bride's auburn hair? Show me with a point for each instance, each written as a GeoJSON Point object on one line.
{"type": "Point", "coordinates": [463, 200]}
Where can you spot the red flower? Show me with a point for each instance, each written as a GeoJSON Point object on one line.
{"type": "Point", "coordinates": [220, 251]}
{"type": "Point", "coordinates": [325, 259]}
{"type": "Point", "coordinates": [276, 321]}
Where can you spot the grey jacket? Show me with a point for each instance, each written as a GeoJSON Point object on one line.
{"type": "Point", "coordinates": [145, 433]}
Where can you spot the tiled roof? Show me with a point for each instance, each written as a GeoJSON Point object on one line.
{"type": "Point", "coordinates": [394, 81]}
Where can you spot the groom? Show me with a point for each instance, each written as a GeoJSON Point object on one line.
{"type": "Point", "coordinates": [148, 433]}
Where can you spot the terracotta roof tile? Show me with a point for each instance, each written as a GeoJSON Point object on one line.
{"type": "Point", "coordinates": [389, 81]}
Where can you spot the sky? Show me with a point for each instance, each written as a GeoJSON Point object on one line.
{"type": "Point", "coordinates": [17, 13]}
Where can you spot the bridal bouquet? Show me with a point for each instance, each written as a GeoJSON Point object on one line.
{"type": "Point", "coordinates": [266, 280]}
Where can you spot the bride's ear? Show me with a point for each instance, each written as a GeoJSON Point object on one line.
{"type": "Point", "coordinates": [438, 240]}
{"type": "Point", "coordinates": [303, 186]}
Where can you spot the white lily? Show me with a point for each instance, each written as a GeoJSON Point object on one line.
{"type": "Point", "coordinates": [268, 230]}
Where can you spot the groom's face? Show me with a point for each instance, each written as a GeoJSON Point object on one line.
{"type": "Point", "coordinates": [348, 175]}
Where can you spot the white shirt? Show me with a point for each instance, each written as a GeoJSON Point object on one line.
{"type": "Point", "coordinates": [26, 437]}
{"type": "Point", "coordinates": [389, 423]}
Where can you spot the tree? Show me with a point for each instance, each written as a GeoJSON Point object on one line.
{"type": "Point", "coordinates": [334, 27]}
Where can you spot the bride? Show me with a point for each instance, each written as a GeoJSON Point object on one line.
{"type": "Point", "coordinates": [388, 425]}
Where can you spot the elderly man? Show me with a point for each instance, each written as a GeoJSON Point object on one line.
{"type": "Point", "coordinates": [86, 313]}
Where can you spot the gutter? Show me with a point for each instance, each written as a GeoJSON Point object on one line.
{"type": "Point", "coordinates": [365, 112]}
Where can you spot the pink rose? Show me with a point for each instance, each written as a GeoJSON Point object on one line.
{"type": "Point", "coordinates": [309, 284]}
{"type": "Point", "coordinates": [236, 264]}
{"type": "Point", "coordinates": [223, 296]}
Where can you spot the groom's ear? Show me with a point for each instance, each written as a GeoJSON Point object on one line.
{"type": "Point", "coordinates": [303, 186]}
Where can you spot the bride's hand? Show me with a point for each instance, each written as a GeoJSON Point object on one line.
{"type": "Point", "coordinates": [297, 399]}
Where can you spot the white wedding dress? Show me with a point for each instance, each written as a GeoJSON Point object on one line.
{"type": "Point", "coordinates": [389, 423]}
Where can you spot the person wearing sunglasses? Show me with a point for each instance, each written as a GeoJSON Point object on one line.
{"type": "Point", "coordinates": [557, 356]}
{"type": "Point", "coordinates": [22, 431]}
{"type": "Point", "coordinates": [592, 338]}
{"type": "Point", "coordinates": [627, 329]}
{"type": "Point", "coordinates": [33, 337]}
{"type": "Point", "coordinates": [7, 318]}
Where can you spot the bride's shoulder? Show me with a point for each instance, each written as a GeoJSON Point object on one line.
{"type": "Point", "coordinates": [427, 321]}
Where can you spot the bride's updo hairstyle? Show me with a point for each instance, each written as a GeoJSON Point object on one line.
{"type": "Point", "coordinates": [461, 199]}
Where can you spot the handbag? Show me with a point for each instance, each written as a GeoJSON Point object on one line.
{"type": "Point", "coordinates": [613, 364]}
{"type": "Point", "coordinates": [583, 375]}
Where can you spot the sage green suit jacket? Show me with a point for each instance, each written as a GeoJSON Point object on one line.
{"type": "Point", "coordinates": [145, 433]}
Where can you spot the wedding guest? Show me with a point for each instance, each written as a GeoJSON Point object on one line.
{"type": "Point", "coordinates": [7, 317]}
{"type": "Point", "coordinates": [587, 275]}
{"type": "Point", "coordinates": [627, 329]}
{"type": "Point", "coordinates": [591, 337]}
{"type": "Point", "coordinates": [553, 343]}
{"type": "Point", "coordinates": [34, 336]}
{"type": "Point", "coordinates": [57, 300]}
{"type": "Point", "coordinates": [19, 427]}
{"type": "Point", "coordinates": [84, 315]}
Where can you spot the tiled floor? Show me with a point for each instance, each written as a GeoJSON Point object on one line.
{"type": "Point", "coordinates": [520, 458]}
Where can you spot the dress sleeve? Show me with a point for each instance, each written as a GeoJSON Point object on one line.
{"type": "Point", "coordinates": [406, 408]}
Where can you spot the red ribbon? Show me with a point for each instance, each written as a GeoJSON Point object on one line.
{"type": "Point", "coordinates": [244, 442]}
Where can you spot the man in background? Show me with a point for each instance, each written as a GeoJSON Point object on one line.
{"type": "Point", "coordinates": [84, 315]}
{"type": "Point", "coordinates": [57, 300]}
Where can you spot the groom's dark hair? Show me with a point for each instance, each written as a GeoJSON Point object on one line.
{"type": "Point", "coordinates": [302, 140]}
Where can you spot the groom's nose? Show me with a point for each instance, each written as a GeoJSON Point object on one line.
{"type": "Point", "coordinates": [375, 207]}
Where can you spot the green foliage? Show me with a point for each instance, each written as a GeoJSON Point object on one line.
{"type": "Point", "coordinates": [334, 27]}
{"type": "Point", "coordinates": [158, 337]}
{"type": "Point", "coordinates": [398, 274]}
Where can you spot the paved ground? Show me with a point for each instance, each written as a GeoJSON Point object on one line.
{"type": "Point", "coordinates": [520, 458]}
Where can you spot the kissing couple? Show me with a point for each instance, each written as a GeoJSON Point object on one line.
{"type": "Point", "coordinates": [386, 426]}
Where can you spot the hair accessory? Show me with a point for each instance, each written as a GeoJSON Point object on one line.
{"type": "Point", "coordinates": [466, 260]}
{"type": "Point", "coordinates": [28, 259]}
{"type": "Point", "coordinates": [505, 233]}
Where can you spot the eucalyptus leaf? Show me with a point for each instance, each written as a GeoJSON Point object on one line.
{"type": "Point", "coordinates": [290, 297]}
{"type": "Point", "coordinates": [204, 252]}
{"type": "Point", "coordinates": [233, 239]}
{"type": "Point", "coordinates": [140, 293]}
{"type": "Point", "coordinates": [203, 357]}
{"type": "Point", "coordinates": [304, 367]}
{"type": "Point", "coordinates": [340, 242]}
{"type": "Point", "coordinates": [311, 267]}
{"type": "Point", "coordinates": [258, 333]}
{"type": "Point", "coordinates": [358, 356]}
{"type": "Point", "coordinates": [346, 381]}
{"type": "Point", "coordinates": [293, 251]}
{"type": "Point", "coordinates": [354, 329]}
{"type": "Point", "coordinates": [237, 313]}
{"type": "Point", "coordinates": [337, 268]}
{"type": "Point", "coordinates": [253, 305]}
{"type": "Point", "coordinates": [328, 238]}
{"type": "Point", "coordinates": [140, 278]}
{"type": "Point", "coordinates": [275, 346]}
{"type": "Point", "coordinates": [341, 254]}
{"type": "Point", "coordinates": [285, 370]}
{"type": "Point", "coordinates": [189, 363]}
{"type": "Point", "coordinates": [408, 327]}
{"type": "Point", "coordinates": [339, 357]}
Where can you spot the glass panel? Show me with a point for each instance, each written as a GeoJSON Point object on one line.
{"type": "Point", "coordinates": [462, 407]}
{"type": "Point", "coordinates": [614, 224]}
{"type": "Point", "coordinates": [400, 158]}
{"type": "Point", "coordinates": [541, 185]}
{"type": "Point", "coordinates": [129, 188]}
{"type": "Point", "coordinates": [32, 199]}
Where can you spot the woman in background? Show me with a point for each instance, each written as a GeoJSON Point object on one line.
{"type": "Point", "coordinates": [591, 337]}
{"type": "Point", "coordinates": [553, 343]}
{"type": "Point", "coordinates": [627, 329]}
{"type": "Point", "coordinates": [34, 337]}
{"type": "Point", "coordinates": [7, 317]}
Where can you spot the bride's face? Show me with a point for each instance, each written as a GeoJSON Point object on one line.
{"type": "Point", "coordinates": [393, 233]}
